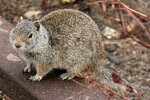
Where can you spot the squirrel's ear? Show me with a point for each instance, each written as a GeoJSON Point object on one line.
{"type": "Point", "coordinates": [20, 18]}
{"type": "Point", "coordinates": [37, 24]}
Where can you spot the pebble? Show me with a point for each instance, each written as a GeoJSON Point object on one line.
{"type": "Point", "coordinates": [142, 72]}
{"type": "Point", "coordinates": [111, 47]}
{"type": "Point", "coordinates": [31, 14]}
{"type": "Point", "coordinates": [109, 33]}
{"type": "Point", "coordinates": [114, 59]}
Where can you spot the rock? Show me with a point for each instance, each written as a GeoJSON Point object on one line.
{"type": "Point", "coordinates": [142, 72]}
{"type": "Point", "coordinates": [32, 14]}
{"type": "Point", "coordinates": [110, 33]}
{"type": "Point", "coordinates": [114, 59]}
{"type": "Point", "coordinates": [111, 47]}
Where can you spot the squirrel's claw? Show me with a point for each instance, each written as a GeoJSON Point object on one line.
{"type": "Point", "coordinates": [27, 69]}
{"type": "Point", "coordinates": [36, 78]}
{"type": "Point", "coordinates": [65, 76]}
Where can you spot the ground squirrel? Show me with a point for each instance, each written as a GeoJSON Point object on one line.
{"type": "Point", "coordinates": [68, 36]}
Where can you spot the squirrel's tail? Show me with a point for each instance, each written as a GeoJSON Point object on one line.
{"type": "Point", "coordinates": [113, 81]}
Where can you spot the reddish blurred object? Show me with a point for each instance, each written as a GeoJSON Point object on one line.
{"type": "Point", "coordinates": [45, 4]}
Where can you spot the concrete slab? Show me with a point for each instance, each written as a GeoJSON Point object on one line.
{"type": "Point", "coordinates": [17, 85]}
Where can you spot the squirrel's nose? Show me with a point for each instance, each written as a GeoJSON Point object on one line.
{"type": "Point", "coordinates": [17, 45]}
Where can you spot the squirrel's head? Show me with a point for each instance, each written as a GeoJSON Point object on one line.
{"type": "Point", "coordinates": [24, 35]}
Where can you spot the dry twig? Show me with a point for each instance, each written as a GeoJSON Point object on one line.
{"type": "Point", "coordinates": [92, 84]}
{"type": "Point", "coordinates": [132, 13]}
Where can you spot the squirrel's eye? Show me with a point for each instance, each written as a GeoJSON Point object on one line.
{"type": "Point", "coordinates": [31, 34]}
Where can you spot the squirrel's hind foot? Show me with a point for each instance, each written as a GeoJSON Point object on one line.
{"type": "Point", "coordinates": [65, 76]}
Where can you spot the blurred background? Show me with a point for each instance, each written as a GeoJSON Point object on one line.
{"type": "Point", "coordinates": [103, 13]}
{"type": "Point", "coordinates": [35, 9]}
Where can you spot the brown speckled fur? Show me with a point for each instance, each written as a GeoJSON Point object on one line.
{"type": "Point", "coordinates": [74, 37]}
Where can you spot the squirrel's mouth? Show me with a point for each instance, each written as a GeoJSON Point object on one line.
{"type": "Point", "coordinates": [17, 45]}
{"type": "Point", "coordinates": [20, 47]}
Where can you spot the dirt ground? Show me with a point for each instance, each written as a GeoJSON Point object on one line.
{"type": "Point", "coordinates": [133, 58]}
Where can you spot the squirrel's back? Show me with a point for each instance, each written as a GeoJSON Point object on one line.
{"type": "Point", "coordinates": [73, 35]}
{"type": "Point", "coordinates": [66, 22]}
{"type": "Point", "coordinates": [69, 18]}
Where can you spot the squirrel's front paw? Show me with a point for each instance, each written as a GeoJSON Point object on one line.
{"type": "Point", "coordinates": [66, 76]}
{"type": "Point", "coordinates": [27, 69]}
{"type": "Point", "coordinates": [36, 78]}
